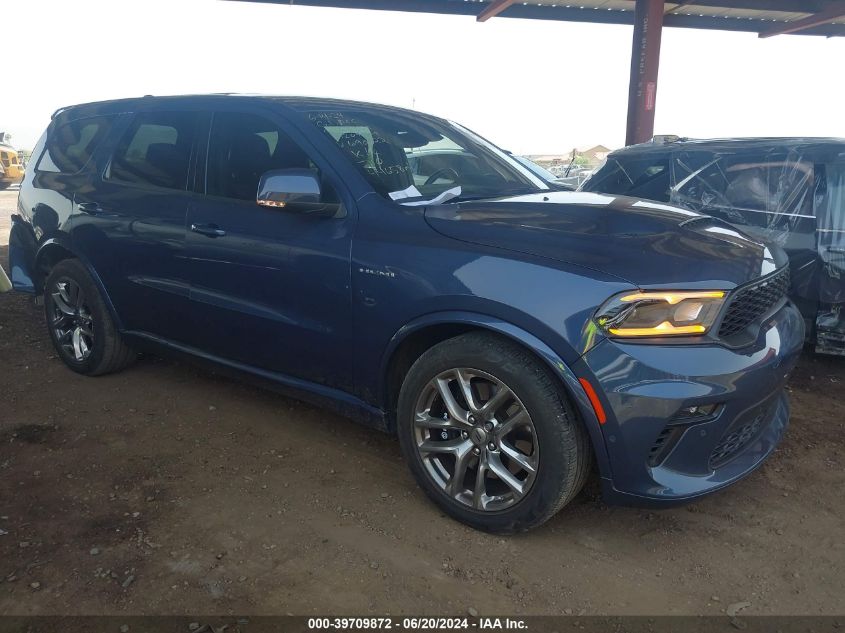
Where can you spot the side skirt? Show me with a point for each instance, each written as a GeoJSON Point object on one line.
{"type": "Point", "coordinates": [339, 402]}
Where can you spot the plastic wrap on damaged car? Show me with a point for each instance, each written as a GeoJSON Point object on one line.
{"type": "Point", "coordinates": [791, 195]}
{"type": "Point", "coordinates": [830, 322]}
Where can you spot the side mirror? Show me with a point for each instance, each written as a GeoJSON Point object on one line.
{"type": "Point", "coordinates": [296, 190]}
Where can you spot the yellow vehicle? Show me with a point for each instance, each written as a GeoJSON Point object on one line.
{"type": "Point", "coordinates": [11, 170]}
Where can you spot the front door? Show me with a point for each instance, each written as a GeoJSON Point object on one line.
{"type": "Point", "coordinates": [269, 288]}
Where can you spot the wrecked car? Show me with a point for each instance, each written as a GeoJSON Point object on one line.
{"type": "Point", "coordinates": [786, 191]}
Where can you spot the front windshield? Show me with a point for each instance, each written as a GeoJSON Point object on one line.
{"type": "Point", "coordinates": [410, 158]}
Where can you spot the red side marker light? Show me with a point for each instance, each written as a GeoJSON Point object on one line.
{"type": "Point", "coordinates": [594, 400]}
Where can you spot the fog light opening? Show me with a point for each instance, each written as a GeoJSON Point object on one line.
{"type": "Point", "coordinates": [695, 412]}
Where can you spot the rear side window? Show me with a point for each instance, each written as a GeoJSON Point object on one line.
{"type": "Point", "coordinates": [155, 150]}
{"type": "Point", "coordinates": [70, 146]}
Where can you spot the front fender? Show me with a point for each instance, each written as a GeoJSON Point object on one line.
{"type": "Point", "coordinates": [527, 340]}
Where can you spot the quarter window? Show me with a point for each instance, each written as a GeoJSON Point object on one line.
{"type": "Point", "coordinates": [70, 146]}
{"type": "Point", "coordinates": [155, 150]}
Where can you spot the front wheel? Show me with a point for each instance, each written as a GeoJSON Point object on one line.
{"type": "Point", "coordinates": [489, 434]}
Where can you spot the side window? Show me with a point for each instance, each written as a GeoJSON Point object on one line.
{"type": "Point", "coordinates": [155, 150]}
{"type": "Point", "coordinates": [242, 147]}
{"type": "Point", "coordinates": [70, 146]}
{"type": "Point", "coordinates": [767, 191]}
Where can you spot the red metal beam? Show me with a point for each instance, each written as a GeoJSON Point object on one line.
{"type": "Point", "coordinates": [817, 19]}
{"type": "Point", "coordinates": [645, 62]}
{"type": "Point", "coordinates": [494, 8]}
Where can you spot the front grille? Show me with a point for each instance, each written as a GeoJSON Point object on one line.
{"type": "Point", "coordinates": [752, 302]}
{"type": "Point", "coordinates": [737, 437]}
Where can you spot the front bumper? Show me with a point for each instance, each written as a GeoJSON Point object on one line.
{"type": "Point", "coordinates": [658, 457]}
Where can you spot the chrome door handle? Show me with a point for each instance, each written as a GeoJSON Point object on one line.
{"type": "Point", "coordinates": [209, 230]}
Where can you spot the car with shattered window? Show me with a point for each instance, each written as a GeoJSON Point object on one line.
{"type": "Point", "coordinates": [786, 191]}
{"type": "Point", "coordinates": [515, 338]}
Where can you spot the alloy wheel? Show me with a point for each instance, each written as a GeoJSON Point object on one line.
{"type": "Point", "coordinates": [71, 320]}
{"type": "Point", "coordinates": [476, 439]}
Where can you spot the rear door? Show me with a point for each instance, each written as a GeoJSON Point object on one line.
{"type": "Point", "coordinates": [130, 222]}
{"type": "Point", "coordinates": [269, 287]}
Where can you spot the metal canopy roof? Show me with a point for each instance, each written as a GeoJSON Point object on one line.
{"type": "Point", "coordinates": [765, 17]}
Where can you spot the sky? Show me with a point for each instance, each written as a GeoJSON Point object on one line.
{"type": "Point", "coordinates": [530, 86]}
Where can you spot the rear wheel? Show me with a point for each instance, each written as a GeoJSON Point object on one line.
{"type": "Point", "coordinates": [79, 323]}
{"type": "Point", "coordinates": [489, 435]}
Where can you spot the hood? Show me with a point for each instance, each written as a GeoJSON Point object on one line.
{"type": "Point", "coordinates": [645, 243]}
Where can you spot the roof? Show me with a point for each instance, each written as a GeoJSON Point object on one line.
{"type": "Point", "coordinates": [294, 102]}
{"type": "Point", "coordinates": [765, 17]}
{"type": "Point", "coordinates": [760, 143]}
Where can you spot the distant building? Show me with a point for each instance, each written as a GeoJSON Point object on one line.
{"type": "Point", "coordinates": [589, 157]}
{"type": "Point", "coordinates": [595, 155]}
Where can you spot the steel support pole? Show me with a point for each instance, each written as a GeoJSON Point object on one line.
{"type": "Point", "coordinates": [645, 61]}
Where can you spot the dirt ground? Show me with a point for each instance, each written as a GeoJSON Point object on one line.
{"type": "Point", "coordinates": [166, 490]}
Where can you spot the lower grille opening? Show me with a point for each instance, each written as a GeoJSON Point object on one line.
{"type": "Point", "coordinates": [738, 436]}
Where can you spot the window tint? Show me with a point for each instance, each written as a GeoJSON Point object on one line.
{"type": "Point", "coordinates": [155, 150]}
{"type": "Point", "coordinates": [242, 148]}
{"type": "Point", "coordinates": [642, 178]}
{"type": "Point", "coordinates": [70, 146]}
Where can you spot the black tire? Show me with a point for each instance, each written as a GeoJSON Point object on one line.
{"type": "Point", "coordinates": [106, 352]}
{"type": "Point", "coordinates": [565, 455]}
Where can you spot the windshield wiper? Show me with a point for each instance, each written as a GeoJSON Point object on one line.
{"type": "Point", "coordinates": [505, 193]}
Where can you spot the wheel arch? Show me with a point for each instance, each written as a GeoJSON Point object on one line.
{"type": "Point", "coordinates": [412, 340]}
{"type": "Point", "coordinates": [53, 251]}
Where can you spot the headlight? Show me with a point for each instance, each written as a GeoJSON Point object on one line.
{"type": "Point", "coordinates": [660, 313]}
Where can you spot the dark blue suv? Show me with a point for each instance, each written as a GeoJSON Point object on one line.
{"type": "Point", "coordinates": [405, 272]}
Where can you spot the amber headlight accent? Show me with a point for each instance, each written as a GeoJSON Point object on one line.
{"type": "Point", "coordinates": [660, 313]}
